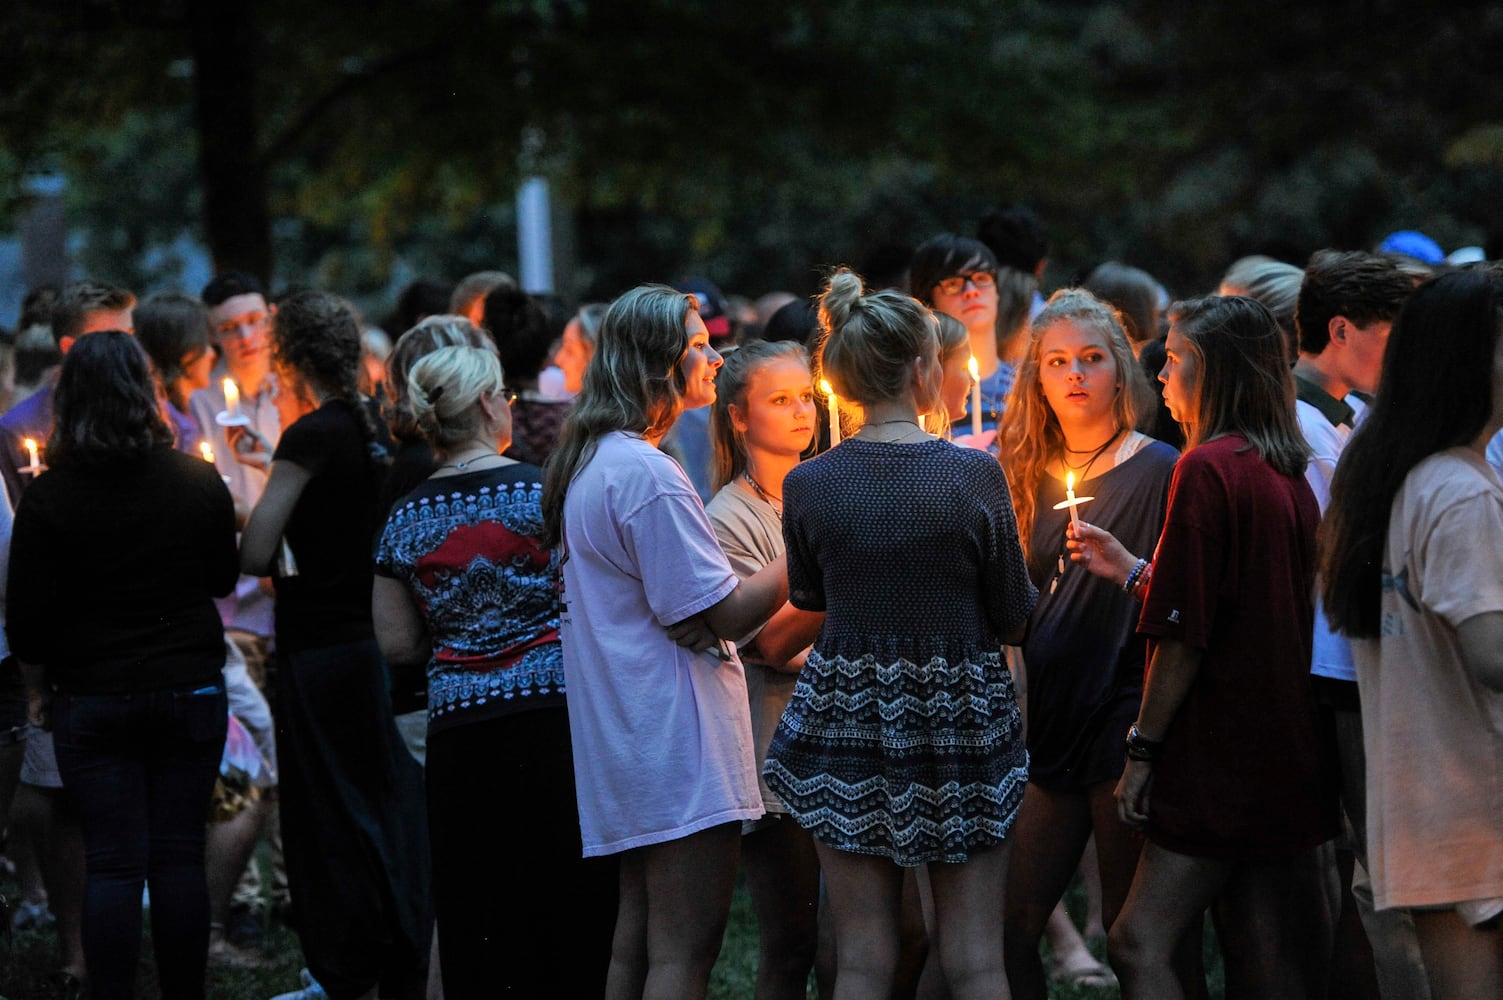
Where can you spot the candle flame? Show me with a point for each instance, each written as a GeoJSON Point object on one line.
{"type": "Point", "coordinates": [1069, 482]}
{"type": "Point", "coordinates": [31, 444]}
{"type": "Point", "coordinates": [974, 368]}
{"type": "Point", "coordinates": [231, 393]}
{"type": "Point", "coordinates": [206, 452]}
{"type": "Point", "coordinates": [825, 388]}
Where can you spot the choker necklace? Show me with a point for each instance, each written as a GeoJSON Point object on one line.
{"type": "Point", "coordinates": [1086, 451]}
{"type": "Point", "coordinates": [461, 466]}
{"type": "Point", "coordinates": [776, 505]}
{"type": "Point", "coordinates": [1085, 470]}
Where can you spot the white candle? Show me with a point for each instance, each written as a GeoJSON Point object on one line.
{"type": "Point", "coordinates": [33, 466]}
{"type": "Point", "coordinates": [921, 422]}
{"type": "Point", "coordinates": [1070, 499]}
{"type": "Point", "coordinates": [975, 395]}
{"type": "Point", "coordinates": [834, 412]}
{"type": "Point", "coordinates": [231, 398]}
{"type": "Point", "coordinates": [206, 452]}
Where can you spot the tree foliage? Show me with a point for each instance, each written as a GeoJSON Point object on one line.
{"type": "Point", "coordinates": [751, 142]}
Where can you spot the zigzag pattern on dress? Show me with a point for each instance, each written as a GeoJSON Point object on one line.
{"type": "Point", "coordinates": [539, 672]}
{"type": "Point", "coordinates": [916, 826]}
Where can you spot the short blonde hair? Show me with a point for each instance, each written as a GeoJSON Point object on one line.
{"type": "Point", "coordinates": [443, 388]}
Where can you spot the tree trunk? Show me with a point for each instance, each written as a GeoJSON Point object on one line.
{"type": "Point", "coordinates": [236, 218]}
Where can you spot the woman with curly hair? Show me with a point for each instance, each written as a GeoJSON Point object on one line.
{"type": "Point", "coordinates": [352, 805]}
{"type": "Point", "coordinates": [1080, 394]}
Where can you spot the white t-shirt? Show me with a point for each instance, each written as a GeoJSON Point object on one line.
{"type": "Point", "coordinates": [662, 736]}
{"type": "Point", "coordinates": [1332, 656]}
{"type": "Point", "coordinates": [1432, 733]}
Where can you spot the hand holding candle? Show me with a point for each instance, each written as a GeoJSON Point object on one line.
{"type": "Point", "coordinates": [834, 412]}
{"type": "Point", "coordinates": [975, 371]}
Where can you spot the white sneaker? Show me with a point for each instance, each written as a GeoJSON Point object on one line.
{"type": "Point", "coordinates": [310, 991]}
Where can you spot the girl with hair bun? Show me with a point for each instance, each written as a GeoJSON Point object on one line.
{"type": "Point", "coordinates": [351, 795]}
{"type": "Point", "coordinates": [763, 420]}
{"type": "Point", "coordinates": [665, 767]}
{"type": "Point", "coordinates": [902, 743]}
{"type": "Point", "coordinates": [465, 588]}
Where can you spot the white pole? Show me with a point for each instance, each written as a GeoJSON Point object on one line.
{"type": "Point", "coordinates": [535, 236]}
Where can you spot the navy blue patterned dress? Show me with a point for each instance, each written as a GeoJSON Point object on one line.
{"type": "Point", "coordinates": [903, 738]}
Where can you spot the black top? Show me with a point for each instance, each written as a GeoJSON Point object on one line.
{"type": "Point", "coordinates": [330, 530]}
{"type": "Point", "coordinates": [1085, 660]}
{"type": "Point", "coordinates": [113, 570]}
{"type": "Point", "coordinates": [911, 549]}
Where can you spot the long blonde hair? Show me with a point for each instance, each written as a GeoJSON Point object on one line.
{"type": "Point", "coordinates": [741, 366]}
{"type": "Point", "coordinates": [1030, 436]}
{"type": "Point", "coordinates": [632, 384]}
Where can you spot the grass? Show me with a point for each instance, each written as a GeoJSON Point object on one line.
{"type": "Point", "coordinates": [26, 966]}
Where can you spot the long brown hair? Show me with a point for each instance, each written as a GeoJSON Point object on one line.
{"type": "Point", "coordinates": [1030, 436]}
{"type": "Point", "coordinates": [1246, 386]}
{"type": "Point", "coordinates": [105, 407]}
{"type": "Point", "coordinates": [633, 383]}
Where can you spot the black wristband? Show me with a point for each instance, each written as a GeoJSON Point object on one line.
{"type": "Point", "coordinates": [1140, 747]}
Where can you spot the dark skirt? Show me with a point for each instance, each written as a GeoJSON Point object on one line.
{"type": "Point", "coordinates": [354, 828]}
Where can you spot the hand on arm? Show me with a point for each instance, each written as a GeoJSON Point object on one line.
{"type": "Point", "coordinates": [1168, 682]}
{"type": "Point", "coordinates": [752, 602]}
{"type": "Point", "coordinates": [784, 639]}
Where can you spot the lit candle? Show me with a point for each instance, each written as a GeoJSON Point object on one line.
{"type": "Point", "coordinates": [33, 466]}
{"type": "Point", "coordinates": [1070, 499]}
{"type": "Point", "coordinates": [975, 395]}
{"type": "Point", "coordinates": [921, 423]}
{"type": "Point", "coordinates": [231, 398]}
{"type": "Point", "coordinates": [834, 412]}
{"type": "Point", "coordinates": [205, 451]}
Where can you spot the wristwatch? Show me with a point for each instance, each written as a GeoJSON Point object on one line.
{"type": "Point", "coordinates": [1140, 747]}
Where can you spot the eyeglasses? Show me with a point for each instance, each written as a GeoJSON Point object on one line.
{"type": "Point", "coordinates": [955, 284]}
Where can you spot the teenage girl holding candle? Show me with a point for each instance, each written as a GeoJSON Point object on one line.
{"type": "Point", "coordinates": [761, 423]}
{"type": "Point", "coordinates": [1079, 396]}
{"type": "Point", "coordinates": [664, 763]}
{"type": "Point", "coordinates": [1226, 771]}
{"type": "Point", "coordinates": [902, 745]}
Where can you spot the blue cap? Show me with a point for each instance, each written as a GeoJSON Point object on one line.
{"type": "Point", "coordinates": [1413, 244]}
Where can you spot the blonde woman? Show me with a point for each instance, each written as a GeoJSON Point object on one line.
{"type": "Point", "coordinates": [1073, 413]}
{"type": "Point", "coordinates": [902, 743]}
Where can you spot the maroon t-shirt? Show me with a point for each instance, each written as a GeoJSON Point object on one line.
{"type": "Point", "coordinates": [1246, 771]}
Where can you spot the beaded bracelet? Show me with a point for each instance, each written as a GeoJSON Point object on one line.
{"type": "Point", "coordinates": [1132, 578]}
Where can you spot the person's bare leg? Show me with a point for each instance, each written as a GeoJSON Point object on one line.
{"type": "Point", "coordinates": [1169, 896]}
{"type": "Point", "coordinates": [866, 898]}
{"type": "Point", "coordinates": [628, 970]}
{"type": "Point", "coordinates": [1461, 961]}
{"type": "Point", "coordinates": [30, 819]}
{"type": "Point", "coordinates": [1275, 925]}
{"type": "Point", "coordinates": [782, 877]}
{"type": "Point", "coordinates": [689, 883]}
{"type": "Point", "coordinates": [1090, 878]}
{"type": "Point", "coordinates": [228, 847]}
{"type": "Point", "coordinates": [63, 869]}
{"type": "Point", "coordinates": [916, 953]}
{"type": "Point", "coordinates": [1046, 839]}
{"type": "Point", "coordinates": [969, 900]}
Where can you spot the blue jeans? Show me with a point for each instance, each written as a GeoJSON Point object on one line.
{"type": "Point", "coordinates": [139, 769]}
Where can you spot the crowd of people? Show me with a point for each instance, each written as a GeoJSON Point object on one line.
{"type": "Point", "coordinates": [508, 635]}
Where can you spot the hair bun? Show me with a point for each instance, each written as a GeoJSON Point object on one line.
{"type": "Point", "coordinates": [842, 294]}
